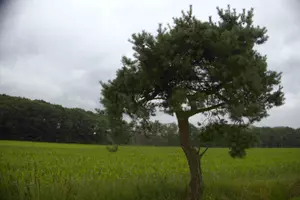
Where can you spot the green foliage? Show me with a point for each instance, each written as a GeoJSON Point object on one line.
{"type": "Point", "coordinates": [113, 148]}
{"type": "Point", "coordinates": [37, 120]}
{"type": "Point", "coordinates": [23, 119]}
{"type": "Point", "coordinates": [212, 67]}
{"type": "Point", "coordinates": [47, 171]}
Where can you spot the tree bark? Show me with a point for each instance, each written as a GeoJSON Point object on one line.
{"type": "Point", "coordinates": [195, 189]}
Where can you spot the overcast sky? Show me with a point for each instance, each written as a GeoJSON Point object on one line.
{"type": "Point", "coordinates": [58, 50]}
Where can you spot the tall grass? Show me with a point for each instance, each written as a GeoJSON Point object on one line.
{"type": "Point", "coordinates": [44, 171]}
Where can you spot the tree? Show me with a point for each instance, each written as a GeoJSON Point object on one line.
{"type": "Point", "coordinates": [194, 67]}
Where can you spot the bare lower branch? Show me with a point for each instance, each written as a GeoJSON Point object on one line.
{"type": "Point", "coordinates": [202, 154]}
{"type": "Point", "coordinates": [201, 110]}
{"type": "Point", "coordinates": [197, 149]}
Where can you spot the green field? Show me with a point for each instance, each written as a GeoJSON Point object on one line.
{"type": "Point", "coordinates": [69, 171]}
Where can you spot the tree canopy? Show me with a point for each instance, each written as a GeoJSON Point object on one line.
{"type": "Point", "coordinates": [194, 66]}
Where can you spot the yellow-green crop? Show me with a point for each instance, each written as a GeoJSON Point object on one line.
{"type": "Point", "coordinates": [45, 171]}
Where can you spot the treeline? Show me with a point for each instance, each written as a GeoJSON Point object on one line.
{"type": "Point", "coordinates": [268, 137]}
{"type": "Point", "coordinates": [37, 120]}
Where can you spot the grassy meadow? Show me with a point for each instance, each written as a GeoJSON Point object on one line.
{"type": "Point", "coordinates": [46, 171]}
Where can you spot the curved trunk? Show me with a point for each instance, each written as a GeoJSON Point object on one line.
{"type": "Point", "coordinates": [195, 189]}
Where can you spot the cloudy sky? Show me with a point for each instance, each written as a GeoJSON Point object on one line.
{"type": "Point", "coordinates": [58, 50]}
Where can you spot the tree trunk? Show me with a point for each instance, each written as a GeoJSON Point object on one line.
{"type": "Point", "coordinates": [195, 189]}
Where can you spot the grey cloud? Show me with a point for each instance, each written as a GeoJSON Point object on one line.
{"type": "Point", "coordinates": [59, 50]}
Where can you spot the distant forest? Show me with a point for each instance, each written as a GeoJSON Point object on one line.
{"type": "Point", "coordinates": [37, 120]}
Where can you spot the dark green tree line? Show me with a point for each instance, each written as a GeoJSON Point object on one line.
{"type": "Point", "coordinates": [37, 120]}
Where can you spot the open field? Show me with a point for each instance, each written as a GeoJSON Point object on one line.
{"type": "Point", "coordinates": [47, 171]}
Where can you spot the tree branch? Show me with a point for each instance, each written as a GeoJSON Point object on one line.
{"type": "Point", "coordinates": [202, 154]}
{"type": "Point", "coordinates": [197, 149]}
{"type": "Point", "coordinates": [222, 98]}
{"type": "Point", "coordinates": [211, 91]}
{"type": "Point", "coordinates": [193, 112]}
